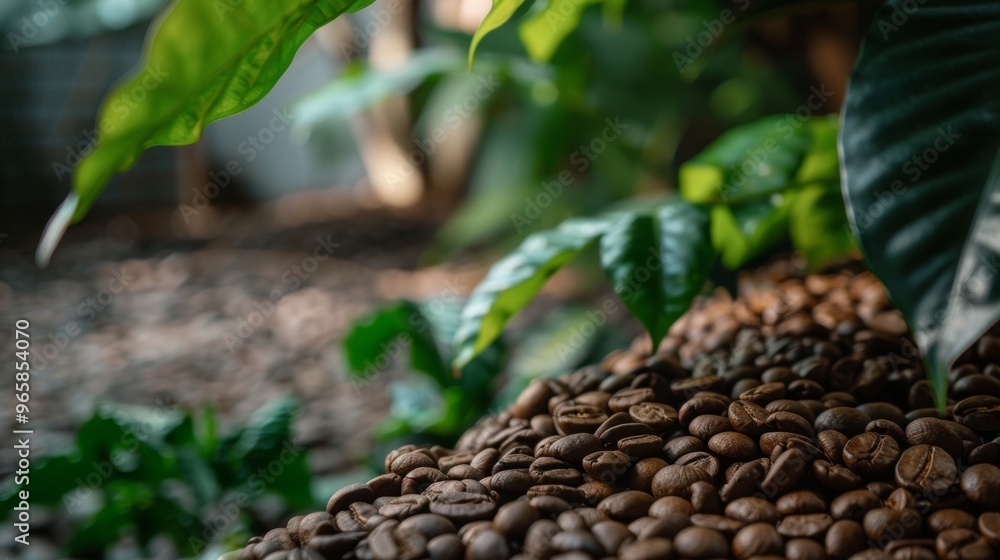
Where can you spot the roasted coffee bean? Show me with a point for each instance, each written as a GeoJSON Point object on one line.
{"type": "Point", "coordinates": [676, 480]}
{"type": "Point", "coordinates": [981, 484]}
{"type": "Point", "coordinates": [660, 418]}
{"type": "Point", "coordinates": [757, 539]}
{"type": "Point", "coordinates": [980, 413]}
{"type": "Point", "coordinates": [884, 524]}
{"type": "Point", "coordinates": [844, 539]}
{"type": "Point", "coordinates": [573, 448]}
{"type": "Point", "coordinates": [348, 495]}
{"type": "Point", "coordinates": [986, 453]}
{"type": "Point", "coordinates": [705, 498]}
{"type": "Point", "coordinates": [335, 546]}
{"type": "Point", "coordinates": [700, 405]}
{"type": "Point", "coordinates": [669, 505]}
{"type": "Point", "coordinates": [405, 506]}
{"type": "Point", "coordinates": [704, 461]}
{"type": "Point", "coordinates": [463, 507]}
{"type": "Point", "coordinates": [685, 388]}
{"type": "Point", "coordinates": [513, 519]}
{"type": "Point", "coordinates": [410, 461]}
{"type": "Point", "coordinates": [745, 480]}
{"type": "Point", "coordinates": [627, 398]}
{"type": "Point", "coordinates": [950, 518]}
{"type": "Point", "coordinates": [769, 440]}
{"type": "Point", "coordinates": [800, 502]}
{"type": "Point", "coordinates": [550, 505]}
{"type": "Point", "coordinates": [854, 504]}
{"type": "Point", "coordinates": [707, 425]}
{"type": "Point", "coordinates": [488, 545]}
{"type": "Point", "coordinates": [700, 542]}
{"type": "Point", "coordinates": [576, 419]}
{"type": "Point", "coordinates": [611, 535]}
{"type": "Point", "coordinates": [429, 525]}
{"type": "Point", "coordinates": [640, 477]}
{"type": "Point", "coordinates": [870, 454]}
{"type": "Point", "coordinates": [989, 526]}
{"type": "Point", "coordinates": [764, 394]}
{"type": "Point", "coordinates": [926, 469]}
{"type": "Point", "coordinates": [884, 411]}
{"type": "Point", "coordinates": [577, 541]}
{"type": "Point", "coordinates": [832, 443]}
{"type": "Point", "coordinates": [934, 431]}
{"type": "Point", "coordinates": [549, 470]}
{"type": "Point", "coordinates": [808, 525]}
{"type": "Point", "coordinates": [846, 420]}
{"type": "Point", "coordinates": [795, 407]}
{"type": "Point", "coordinates": [887, 428]}
{"type": "Point", "coordinates": [607, 466]}
{"type": "Point", "coordinates": [514, 481]}
{"type": "Point", "coordinates": [513, 461]}
{"type": "Point", "coordinates": [594, 492]}
{"type": "Point", "coordinates": [732, 445]}
{"type": "Point", "coordinates": [962, 544]}
{"type": "Point", "coordinates": [804, 549]}
{"type": "Point", "coordinates": [680, 446]}
{"type": "Point", "coordinates": [641, 446]}
{"type": "Point", "coordinates": [611, 436]}
{"type": "Point", "coordinates": [753, 510]}
{"type": "Point", "coordinates": [446, 547]}
{"type": "Point", "coordinates": [626, 506]}
{"type": "Point", "coordinates": [538, 541]}
{"type": "Point", "coordinates": [790, 422]}
{"type": "Point", "coordinates": [748, 418]}
{"type": "Point", "coordinates": [568, 493]}
{"type": "Point", "coordinates": [785, 473]}
{"type": "Point", "coordinates": [835, 477]}
{"type": "Point", "coordinates": [649, 549]}
{"type": "Point", "coordinates": [720, 523]}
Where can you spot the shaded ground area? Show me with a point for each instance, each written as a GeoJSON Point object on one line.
{"type": "Point", "coordinates": [234, 321]}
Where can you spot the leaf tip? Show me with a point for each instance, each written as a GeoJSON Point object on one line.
{"type": "Point", "coordinates": [55, 229]}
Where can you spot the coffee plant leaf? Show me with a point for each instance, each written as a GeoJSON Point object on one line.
{"type": "Point", "coordinates": [919, 140]}
{"type": "Point", "coordinates": [500, 12]}
{"type": "Point", "coordinates": [377, 340]}
{"type": "Point", "coordinates": [542, 33]}
{"type": "Point", "coordinates": [515, 279]}
{"type": "Point", "coordinates": [658, 263]}
{"type": "Point", "coordinates": [744, 231]}
{"type": "Point", "coordinates": [818, 225]}
{"type": "Point", "coordinates": [203, 61]}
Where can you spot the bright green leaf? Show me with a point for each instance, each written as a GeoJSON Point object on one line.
{"type": "Point", "coordinates": [204, 60]}
{"type": "Point", "coordinates": [745, 231]}
{"type": "Point", "coordinates": [658, 263]}
{"type": "Point", "coordinates": [818, 225]}
{"type": "Point", "coordinates": [499, 13]}
{"type": "Point", "coordinates": [542, 33]}
{"type": "Point", "coordinates": [919, 141]}
{"type": "Point", "coordinates": [515, 279]}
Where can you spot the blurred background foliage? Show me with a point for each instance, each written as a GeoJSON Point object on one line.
{"type": "Point", "coordinates": [564, 114]}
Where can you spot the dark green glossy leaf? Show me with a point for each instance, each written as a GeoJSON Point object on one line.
{"type": "Point", "coordinates": [515, 279]}
{"type": "Point", "coordinates": [657, 263]}
{"type": "Point", "coordinates": [919, 140]}
{"type": "Point", "coordinates": [204, 60]}
{"type": "Point", "coordinates": [375, 341]}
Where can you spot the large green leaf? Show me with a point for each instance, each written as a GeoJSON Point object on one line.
{"type": "Point", "coordinates": [542, 33]}
{"type": "Point", "coordinates": [204, 60]}
{"type": "Point", "coordinates": [657, 263]}
{"type": "Point", "coordinates": [515, 279]}
{"type": "Point", "coordinates": [919, 139]}
{"type": "Point", "coordinates": [376, 340]}
{"type": "Point", "coordinates": [499, 13]}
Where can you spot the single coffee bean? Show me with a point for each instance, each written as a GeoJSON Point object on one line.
{"type": "Point", "coordinates": [854, 504]}
{"type": "Point", "coordinates": [732, 445]}
{"type": "Point", "coordinates": [728, 527]}
{"type": "Point", "coordinates": [573, 448]}
{"type": "Point", "coordinates": [568, 493]}
{"type": "Point", "coordinates": [745, 480]}
{"type": "Point", "coordinates": [513, 519]}
{"type": "Point", "coordinates": [550, 505]}
{"type": "Point", "coordinates": [804, 549]}
{"type": "Point", "coordinates": [765, 393]}
{"type": "Point", "coordinates": [607, 466]}
{"type": "Point", "coordinates": [669, 505]}
{"type": "Point", "coordinates": [347, 495]}
{"type": "Point", "coordinates": [962, 544]}
{"type": "Point", "coordinates": [549, 470]}
{"type": "Point", "coordinates": [870, 454]}
{"type": "Point", "coordinates": [835, 477]}
{"type": "Point", "coordinates": [594, 492]}
{"type": "Point", "coordinates": [705, 498]}
{"type": "Point", "coordinates": [463, 507]}
{"type": "Point", "coordinates": [884, 411]}
{"type": "Point", "coordinates": [757, 539]}
{"type": "Point", "coordinates": [405, 506]}
{"type": "Point", "coordinates": [685, 388]}
{"type": "Point", "coordinates": [981, 484]}
{"type": "Point", "coordinates": [753, 510]}
{"type": "Point", "coordinates": [791, 422]}
{"type": "Point", "coordinates": [624, 399]}
{"type": "Point", "coordinates": [649, 549]}
{"type": "Point", "coordinates": [514, 481]}
{"type": "Point", "coordinates": [800, 502]}
{"type": "Point", "coordinates": [844, 539]}
{"type": "Point", "coordinates": [532, 400]}
{"type": "Point", "coordinates": [795, 407]}
{"type": "Point", "coordinates": [429, 525]}
{"type": "Point", "coordinates": [846, 420]}
{"type": "Point", "coordinates": [334, 546]}
{"type": "Point", "coordinates": [926, 469]}
{"type": "Point", "coordinates": [887, 428]}
{"type": "Point", "coordinates": [576, 419]}
{"type": "Point", "coordinates": [640, 477]}
{"type": "Point", "coordinates": [410, 461]}
{"type": "Point", "coordinates": [641, 446]}
{"type": "Point", "coordinates": [698, 406]}
{"type": "Point", "coordinates": [513, 461]}
{"type": "Point", "coordinates": [808, 525]}
{"type": "Point", "coordinates": [660, 418]}
{"type": "Point", "coordinates": [446, 547]}
{"type": "Point", "coordinates": [676, 480]}
{"type": "Point", "coordinates": [488, 545]}
{"type": "Point", "coordinates": [701, 542]}
{"type": "Point", "coordinates": [611, 535]}
{"type": "Point", "coordinates": [980, 413]}
{"type": "Point", "coordinates": [707, 425]}
{"type": "Point", "coordinates": [769, 440]}
{"type": "Point", "coordinates": [417, 480]}
{"type": "Point", "coordinates": [538, 541]}
{"type": "Point", "coordinates": [986, 453]}
{"type": "Point", "coordinates": [748, 418]}
{"type": "Point", "coordinates": [832, 443]}
{"type": "Point", "coordinates": [704, 461]}
{"type": "Point", "coordinates": [934, 431]}
{"type": "Point", "coordinates": [884, 524]}
{"type": "Point", "coordinates": [626, 506]}
{"type": "Point", "coordinates": [680, 446]}
{"type": "Point", "coordinates": [785, 473]}
{"type": "Point", "coordinates": [989, 527]}
{"type": "Point", "coordinates": [611, 436]}
{"type": "Point", "coordinates": [950, 518]}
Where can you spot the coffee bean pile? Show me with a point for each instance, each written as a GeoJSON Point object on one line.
{"type": "Point", "coordinates": [794, 422]}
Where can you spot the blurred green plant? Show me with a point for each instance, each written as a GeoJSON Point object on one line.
{"type": "Point", "coordinates": [143, 472]}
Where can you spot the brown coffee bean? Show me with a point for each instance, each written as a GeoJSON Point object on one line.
{"type": "Point", "coordinates": [513, 519]}
{"type": "Point", "coordinates": [846, 420]}
{"type": "Point", "coordinates": [980, 413]}
{"type": "Point", "coordinates": [707, 425]}
{"type": "Point", "coordinates": [800, 502]}
{"type": "Point", "coordinates": [795, 407]}
{"type": "Point", "coordinates": [884, 524]}
{"type": "Point", "coordinates": [611, 436]}
{"type": "Point", "coordinates": [611, 535]}
{"type": "Point", "coordinates": [835, 477]}
{"type": "Point", "coordinates": [745, 480]}
{"type": "Point", "coordinates": [770, 440]}
{"type": "Point", "coordinates": [405, 506]}
{"type": "Point", "coordinates": [870, 454]}
{"type": "Point", "coordinates": [700, 405]}
{"type": "Point", "coordinates": [550, 505]}
{"type": "Point", "coordinates": [418, 479]}
{"type": "Point", "coordinates": [532, 400]}
{"type": "Point", "coordinates": [410, 461]}
{"type": "Point", "coordinates": [463, 507]}
{"type": "Point", "coordinates": [934, 431]}
{"type": "Point", "coordinates": [577, 419]}
{"type": "Point", "coordinates": [986, 453]}
{"type": "Point", "coordinates": [704, 461]}
{"type": "Point", "coordinates": [785, 473]}
{"type": "Point", "coordinates": [624, 399]}
{"type": "Point", "coordinates": [844, 539]}
{"type": "Point", "coordinates": [700, 542]}
{"type": "Point", "coordinates": [728, 527]}
{"type": "Point", "coordinates": [705, 498]}
{"type": "Point", "coordinates": [616, 419]}
{"type": "Point", "coordinates": [950, 518]}
{"type": "Point", "coordinates": [680, 446]}
{"type": "Point", "coordinates": [446, 547]}
{"type": "Point", "coordinates": [669, 505]}
{"type": "Point", "coordinates": [732, 445]}
{"type": "Point", "coordinates": [568, 493]}
{"type": "Point", "coordinates": [747, 418]}
{"type": "Point", "coordinates": [926, 469]}
{"type": "Point", "coordinates": [685, 388]}
{"type": "Point", "coordinates": [808, 525]}
{"type": "Point", "coordinates": [804, 549]}
{"type": "Point", "coordinates": [538, 541]}
{"type": "Point", "coordinates": [854, 504]}
{"type": "Point", "coordinates": [573, 448]}
{"type": "Point", "coordinates": [981, 484]}
{"type": "Point", "coordinates": [607, 466]}
{"type": "Point", "coordinates": [649, 549]}
{"type": "Point", "coordinates": [640, 477]}
{"type": "Point", "coordinates": [594, 492]}
{"type": "Point", "coordinates": [514, 481]}
{"type": "Point", "coordinates": [626, 506]}
{"type": "Point", "coordinates": [989, 527]}
{"type": "Point", "coordinates": [832, 443]}
{"type": "Point", "coordinates": [962, 544]}
{"type": "Point", "coordinates": [334, 546]}
{"type": "Point", "coordinates": [347, 495]}
{"type": "Point", "coordinates": [676, 480]}
{"type": "Point", "coordinates": [757, 539]}
{"type": "Point", "coordinates": [753, 510]}
{"type": "Point", "coordinates": [790, 422]}
{"type": "Point", "coordinates": [764, 394]}
{"type": "Point", "coordinates": [660, 418]}
{"type": "Point", "coordinates": [429, 525]}
{"type": "Point", "coordinates": [641, 446]}
{"type": "Point", "coordinates": [488, 545]}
